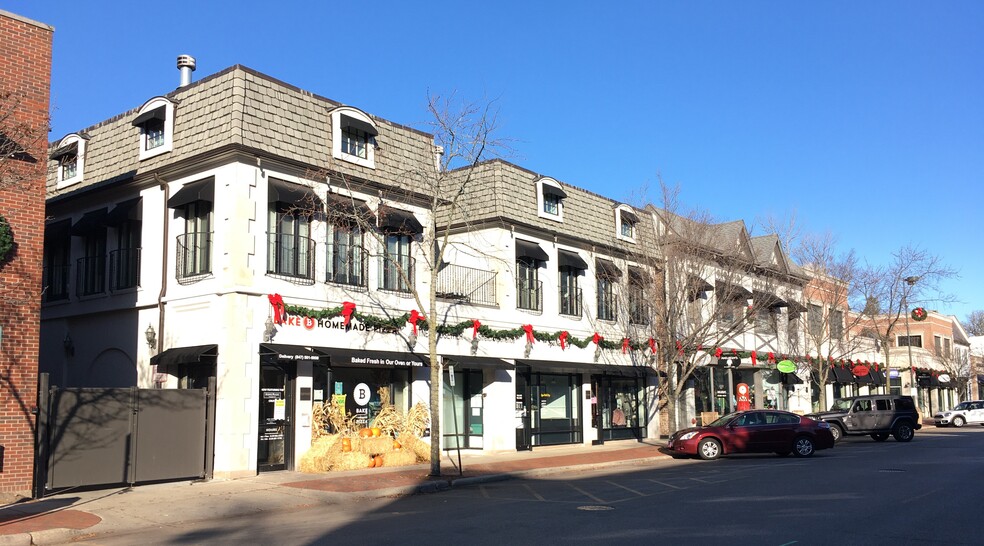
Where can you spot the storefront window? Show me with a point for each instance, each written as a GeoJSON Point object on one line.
{"type": "Point", "coordinates": [463, 408]}
{"type": "Point", "coordinates": [362, 391]}
{"type": "Point", "coordinates": [621, 412]}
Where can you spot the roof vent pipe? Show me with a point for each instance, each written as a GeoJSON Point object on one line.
{"type": "Point", "coordinates": [186, 64]}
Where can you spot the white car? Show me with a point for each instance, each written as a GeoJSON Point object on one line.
{"type": "Point", "coordinates": [963, 413]}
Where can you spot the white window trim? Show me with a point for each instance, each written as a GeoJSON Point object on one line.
{"type": "Point", "coordinates": [559, 217]}
{"type": "Point", "coordinates": [618, 224]}
{"type": "Point", "coordinates": [154, 104]}
{"type": "Point", "coordinates": [79, 161]}
{"type": "Point", "coordinates": [336, 137]}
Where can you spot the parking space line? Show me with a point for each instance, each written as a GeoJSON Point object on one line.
{"type": "Point", "coordinates": [536, 495]}
{"type": "Point", "coordinates": [585, 493]}
{"type": "Point", "coordinates": [667, 485]}
{"type": "Point", "coordinates": [629, 489]}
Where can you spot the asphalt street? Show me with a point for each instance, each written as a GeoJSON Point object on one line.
{"type": "Point", "coordinates": [861, 492]}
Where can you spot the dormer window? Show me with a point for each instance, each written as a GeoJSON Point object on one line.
{"type": "Point", "coordinates": [550, 199]}
{"type": "Point", "coordinates": [625, 222]}
{"type": "Point", "coordinates": [155, 119]}
{"type": "Point", "coordinates": [354, 137]}
{"type": "Point", "coordinates": [70, 155]}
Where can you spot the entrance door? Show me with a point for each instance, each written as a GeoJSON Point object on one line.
{"type": "Point", "coordinates": [524, 436]}
{"type": "Point", "coordinates": [275, 443]}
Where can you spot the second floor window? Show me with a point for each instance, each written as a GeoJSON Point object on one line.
{"type": "Point", "coordinates": [910, 341]}
{"type": "Point", "coordinates": [814, 319]}
{"type": "Point", "coordinates": [606, 298]}
{"type": "Point", "coordinates": [397, 265]}
{"type": "Point", "coordinates": [528, 285]}
{"type": "Point", "coordinates": [124, 262]}
{"type": "Point", "coordinates": [346, 257]}
{"type": "Point", "coordinates": [57, 265]}
{"type": "Point", "coordinates": [195, 245]}
{"type": "Point", "coordinates": [291, 251]}
{"type": "Point", "coordinates": [92, 265]}
{"type": "Point", "coordinates": [836, 324]}
{"type": "Point", "coordinates": [570, 292]}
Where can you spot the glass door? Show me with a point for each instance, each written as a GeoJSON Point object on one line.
{"type": "Point", "coordinates": [275, 435]}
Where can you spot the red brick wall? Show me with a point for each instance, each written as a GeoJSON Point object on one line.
{"type": "Point", "coordinates": [25, 81]}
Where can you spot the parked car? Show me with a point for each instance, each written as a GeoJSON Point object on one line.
{"type": "Point", "coordinates": [877, 415]}
{"type": "Point", "coordinates": [964, 413]}
{"type": "Point", "coordinates": [753, 431]}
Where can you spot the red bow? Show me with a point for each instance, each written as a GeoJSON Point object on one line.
{"type": "Point", "coordinates": [734, 352]}
{"type": "Point", "coordinates": [625, 345]}
{"type": "Point", "coordinates": [563, 340]}
{"type": "Point", "coordinates": [279, 311]}
{"type": "Point", "coordinates": [347, 309]}
{"type": "Point", "coordinates": [876, 366]}
{"type": "Point", "coordinates": [772, 357]}
{"type": "Point", "coordinates": [475, 326]}
{"type": "Point", "coordinates": [528, 328]}
{"type": "Point", "coordinates": [597, 338]}
{"type": "Point", "coordinates": [414, 317]}
{"type": "Point", "coordinates": [754, 358]}
{"type": "Point", "coordinates": [679, 347]}
{"type": "Point", "coordinates": [718, 352]}
{"type": "Point", "coordinates": [652, 345]}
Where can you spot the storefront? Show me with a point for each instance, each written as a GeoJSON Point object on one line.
{"type": "Point", "coordinates": [548, 403]}
{"type": "Point", "coordinates": [464, 412]}
{"type": "Point", "coordinates": [618, 404]}
{"type": "Point", "coordinates": [714, 387]}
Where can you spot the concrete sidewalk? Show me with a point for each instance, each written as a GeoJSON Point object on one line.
{"type": "Point", "coordinates": [60, 518]}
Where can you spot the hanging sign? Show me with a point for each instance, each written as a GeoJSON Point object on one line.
{"type": "Point", "coordinates": [729, 362]}
{"type": "Point", "coordinates": [943, 378]}
{"type": "Point", "coordinates": [786, 366]}
{"type": "Point", "coordinates": [451, 376]}
{"type": "Point", "coordinates": [860, 370]}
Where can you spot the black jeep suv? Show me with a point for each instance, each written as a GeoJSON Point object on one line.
{"type": "Point", "coordinates": [877, 415]}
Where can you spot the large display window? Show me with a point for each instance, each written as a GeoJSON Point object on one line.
{"type": "Point", "coordinates": [623, 413]}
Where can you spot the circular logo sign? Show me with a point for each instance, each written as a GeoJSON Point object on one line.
{"type": "Point", "coordinates": [943, 378]}
{"type": "Point", "coordinates": [786, 366]}
{"type": "Point", "coordinates": [742, 388]}
{"type": "Point", "coordinates": [309, 323]}
{"type": "Point", "coordinates": [361, 394]}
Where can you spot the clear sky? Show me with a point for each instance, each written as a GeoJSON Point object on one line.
{"type": "Point", "coordinates": [864, 119]}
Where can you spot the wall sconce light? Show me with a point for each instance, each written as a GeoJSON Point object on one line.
{"type": "Point", "coordinates": [68, 345]}
{"type": "Point", "coordinates": [151, 336]}
{"type": "Point", "coordinates": [268, 330]}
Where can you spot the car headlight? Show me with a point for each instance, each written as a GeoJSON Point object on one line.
{"type": "Point", "coordinates": [688, 435]}
{"type": "Point", "coordinates": [946, 414]}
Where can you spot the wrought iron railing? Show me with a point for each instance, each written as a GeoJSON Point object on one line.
{"type": "Point", "coordinates": [124, 268]}
{"type": "Point", "coordinates": [291, 257]}
{"type": "Point", "coordinates": [194, 256]}
{"type": "Point", "coordinates": [55, 282]}
{"type": "Point", "coordinates": [348, 265]}
{"type": "Point", "coordinates": [607, 307]}
{"type": "Point", "coordinates": [396, 273]}
{"type": "Point", "coordinates": [570, 301]}
{"type": "Point", "coordinates": [90, 275]}
{"type": "Point", "coordinates": [529, 295]}
{"type": "Point", "coordinates": [466, 284]}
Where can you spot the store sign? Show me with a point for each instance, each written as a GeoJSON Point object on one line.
{"type": "Point", "coordinates": [860, 370]}
{"type": "Point", "coordinates": [786, 366]}
{"type": "Point", "coordinates": [336, 323]}
{"type": "Point", "coordinates": [729, 362]}
{"type": "Point", "coordinates": [944, 378]}
{"type": "Point", "coordinates": [360, 358]}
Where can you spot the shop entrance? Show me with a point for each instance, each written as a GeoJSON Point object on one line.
{"type": "Point", "coordinates": [463, 410]}
{"type": "Point", "coordinates": [276, 433]}
{"type": "Point", "coordinates": [551, 410]}
{"type": "Point", "coordinates": [618, 407]}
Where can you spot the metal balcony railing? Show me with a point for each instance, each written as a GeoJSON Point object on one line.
{"type": "Point", "coordinates": [607, 307]}
{"type": "Point", "coordinates": [55, 282]}
{"type": "Point", "coordinates": [348, 265]}
{"type": "Point", "coordinates": [396, 273]}
{"type": "Point", "coordinates": [194, 256]}
{"type": "Point", "coordinates": [529, 296]}
{"type": "Point", "coordinates": [291, 257]}
{"type": "Point", "coordinates": [466, 284]}
{"type": "Point", "coordinates": [124, 268]}
{"type": "Point", "coordinates": [570, 302]}
{"type": "Point", "coordinates": [90, 275]}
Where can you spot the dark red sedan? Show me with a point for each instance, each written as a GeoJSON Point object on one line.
{"type": "Point", "coordinates": [754, 431]}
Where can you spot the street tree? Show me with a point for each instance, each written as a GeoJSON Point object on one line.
{"type": "Point", "coordinates": [974, 323]}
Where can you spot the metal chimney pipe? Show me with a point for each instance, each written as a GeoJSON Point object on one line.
{"type": "Point", "coordinates": [186, 64]}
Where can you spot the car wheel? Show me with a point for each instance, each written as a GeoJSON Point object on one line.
{"type": "Point", "coordinates": [958, 421]}
{"type": "Point", "coordinates": [803, 446]}
{"type": "Point", "coordinates": [837, 431]}
{"type": "Point", "coordinates": [903, 432]}
{"type": "Point", "coordinates": [709, 449]}
{"type": "Point", "coordinates": [879, 436]}
{"type": "Point", "coordinates": [783, 453]}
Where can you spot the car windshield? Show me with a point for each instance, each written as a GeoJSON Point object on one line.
{"type": "Point", "coordinates": [841, 404]}
{"type": "Point", "coordinates": [721, 421]}
{"type": "Point", "coordinates": [962, 406]}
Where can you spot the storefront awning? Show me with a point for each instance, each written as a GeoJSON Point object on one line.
{"type": "Point", "coordinates": [185, 355]}
{"type": "Point", "coordinates": [296, 194]}
{"type": "Point", "coordinates": [350, 358]}
{"type": "Point", "coordinates": [791, 379]}
{"type": "Point", "coordinates": [478, 362]}
{"type": "Point", "coordinates": [551, 366]}
{"type": "Point", "coordinates": [864, 379]}
{"type": "Point", "coordinates": [288, 352]}
{"type": "Point", "coordinates": [877, 378]}
{"type": "Point", "coordinates": [840, 375]}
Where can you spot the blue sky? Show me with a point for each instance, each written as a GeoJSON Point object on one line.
{"type": "Point", "coordinates": [864, 119]}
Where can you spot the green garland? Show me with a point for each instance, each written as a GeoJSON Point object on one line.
{"type": "Point", "coordinates": [6, 238]}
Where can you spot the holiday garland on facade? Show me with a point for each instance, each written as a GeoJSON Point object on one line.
{"type": "Point", "coordinates": [6, 238]}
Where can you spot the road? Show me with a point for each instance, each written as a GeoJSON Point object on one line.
{"type": "Point", "coordinates": [927, 491]}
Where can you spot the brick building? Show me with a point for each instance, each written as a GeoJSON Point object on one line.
{"type": "Point", "coordinates": [25, 55]}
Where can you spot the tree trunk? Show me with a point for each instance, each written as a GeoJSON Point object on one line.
{"type": "Point", "coordinates": [436, 377]}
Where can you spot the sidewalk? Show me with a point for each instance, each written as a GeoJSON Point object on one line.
{"type": "Point", "coordinates": [60, 518]}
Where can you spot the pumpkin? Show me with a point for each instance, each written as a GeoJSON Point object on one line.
{"type": "Point", "coordinates": [372, 462]}
{"type": "Point", "coordinates": [376, 432]}
{"type": "Point", "coordinates": [346, 444]}
{"type": "Point", "coordinates": [396, 445]}
{"type": "Point", "coordinates": [378, 461]}
{"type": "Point", "coordinates": [365, 433]}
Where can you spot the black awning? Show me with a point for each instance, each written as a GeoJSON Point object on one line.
{"type": "Point", "coordinates": [840, 375]}
{"type": "Point", "coordinates": [570, 259]}
{"type": "Point", "coordinates": [791, 379]}
{"type": "Point", "coordinates": [347, 210]}
{"type": "Point", "coordinates": [288, 192]}
{"type": "Point", "coordinates": [186, 355]}
{"type": "Point", "coordinates": [398, 221]}
{"type": "Point", "coordinates": [90, 221]}
{"type": "Point", "coordinates": [927, 380]}
{"type": "Point", "coordinates": [347, 121]}
{"type": "Point", "coordinates": [157, 113]}
{"type": "Point", "coordinates": [123, 211]}
{"type": "Point", "coordinates": [550, 189]}
{"type": "Point", "coordinates": [877, 378]}
{"type": "Point", "coordinates": [864, 379]}
{"type": "Point", "coordinates": [288, 352]}
{"type": "Point", "coordinates": [629, 216]}
{"type": "Point", "coordinates": [795, 307]}
{"type": "Point", "coordinates": [736, 291]}
{"type": "Point", "coordinates": [70, 149]}
{"type": "Point", "coordinates": [202, 190]}
{"type": "Point", "coordinates": [478, 362]}
{"type": "Point", "coordinates": [529, 249]}
{"type": "Point", "coordinates": [59, 229]}
{"type": "Point", "coordinates": [767, 299]}
{"type": "Point", "coordinates": [639, 276]}
{"type": "Point", "coordinates": [606, 268]}
{"type": "Point", "coordinates": [351, 358]}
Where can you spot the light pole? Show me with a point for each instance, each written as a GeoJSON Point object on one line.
{"type": "Point", "coordinates": [908, 338]}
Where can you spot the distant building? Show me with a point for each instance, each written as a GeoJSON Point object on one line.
{"type": "Point", "coordinates": [25, 54]}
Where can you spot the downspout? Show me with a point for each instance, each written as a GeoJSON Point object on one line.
{"type": "Point", "coordinates": [164, 241]}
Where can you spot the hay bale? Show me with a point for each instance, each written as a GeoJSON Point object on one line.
{"type": "Point", "coordinates": [402, 457]}
{"type": "Point", "coordinates": [350, 460]}
{"type": "Point", "coordinates": [415, 445]}
{"type": "Point", "coordinates": [318, 458]}
{"type": "Point", "coordinates": [375, 446]}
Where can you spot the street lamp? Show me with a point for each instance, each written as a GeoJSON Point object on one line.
{"type": "Point", "coordinates": [908, 337]}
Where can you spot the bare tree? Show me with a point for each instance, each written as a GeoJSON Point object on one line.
{"type": "Point", "coordinates": [974, 323]}
{"type": "Point", "coordinates": [19, 139]}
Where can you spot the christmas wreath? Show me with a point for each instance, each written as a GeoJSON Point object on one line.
{"type": "Point", "coordinates": [919, 314]}
{"type": "Point", "coordinates": [6, 238]}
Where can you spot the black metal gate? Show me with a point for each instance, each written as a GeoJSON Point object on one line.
{"type": "Point", "coordinates": [105, 436]}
